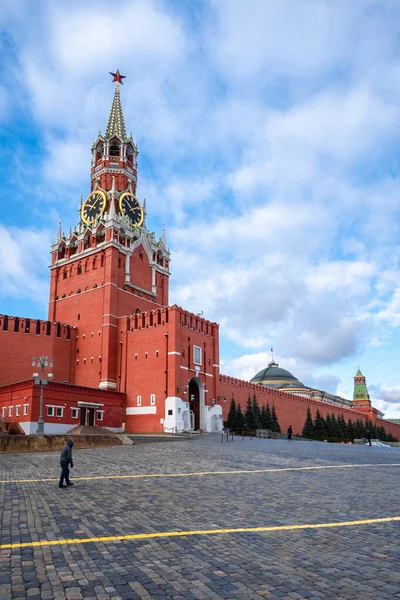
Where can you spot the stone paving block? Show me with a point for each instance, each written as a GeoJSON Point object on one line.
{"type": "Point", "coordinates": [350, 563]}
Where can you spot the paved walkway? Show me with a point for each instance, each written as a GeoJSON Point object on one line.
{"type": "Point", "coordinates": [203, 519]}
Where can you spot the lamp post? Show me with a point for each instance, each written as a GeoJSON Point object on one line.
{"type": "Point", "coordinates": [41, 362]}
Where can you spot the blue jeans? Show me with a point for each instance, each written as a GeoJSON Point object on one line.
{"type": "Point", "coordinates": [64, 474]}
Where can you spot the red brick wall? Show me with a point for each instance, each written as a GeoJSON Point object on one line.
{"type": "Point", "coordinates": [18, 348]}
{"type": "Point", "coordinates": [66, 396]}
{"type": "Point", "coordinates": [166, 331]}
{"type": "Point", "coordinates": [93, 301]}
{"type": "Point", "coordinates": [390, 427]}
{"type": "Point", "coordinates": [290, 409]}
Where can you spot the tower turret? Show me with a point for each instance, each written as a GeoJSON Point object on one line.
{"type": "Point", "coordinates": [114, 154]}
{"type": "Point", "coordinates": [361, 400]}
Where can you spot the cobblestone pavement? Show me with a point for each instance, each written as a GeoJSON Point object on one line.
{"type": "Point", "coordinates": [356, 561]}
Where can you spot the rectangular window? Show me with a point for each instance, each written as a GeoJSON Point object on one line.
{"type": "Point", "coordinates": [17, 409]}
{"type": "Point", "coordinates": [10, 409]}
{"type": "Point", "coordinates": [197, 355]}
{"type": "Point", "coordinates": [26, 409]}
{"type": "Point", "coordinates": [59, 411]}
{"type": "Point", "coordinates": [139, 400]}
{"type": "Point", "coordinates": [3, 412]}
{"type": "Point", "coordinates": [99, 415]}
{"type": "Point", "coordinates": [50, 411]}
{"type": "Point", "coordinates": [152, 399]}
{"type": "Point", "coordinates": [74, 413]}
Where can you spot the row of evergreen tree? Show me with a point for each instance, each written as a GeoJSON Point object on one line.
{"type": "Point", "coordinates": [253, 417]}
{"type": "Point", "coordinates": [336, 429]}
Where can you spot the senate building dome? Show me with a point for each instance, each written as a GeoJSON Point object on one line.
{"type": "Point", "coordinates": [274, 377]}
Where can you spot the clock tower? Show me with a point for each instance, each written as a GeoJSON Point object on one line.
{"type": "Point", "coordinates": [109, 266]}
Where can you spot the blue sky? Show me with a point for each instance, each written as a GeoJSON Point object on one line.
{"type": "Point", "coordinates": [269, 136]}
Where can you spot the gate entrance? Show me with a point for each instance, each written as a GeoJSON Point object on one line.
{"type": "Point", "coordinates": [87, 415]}
{"type": "Point", "coordinates": [194, 400]}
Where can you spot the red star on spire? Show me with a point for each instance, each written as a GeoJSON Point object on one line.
{"type": "Point", "coordinates": [118, 77]}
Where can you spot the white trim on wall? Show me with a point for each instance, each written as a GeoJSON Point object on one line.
{"type": "Point", "coordinates": [141, 410]}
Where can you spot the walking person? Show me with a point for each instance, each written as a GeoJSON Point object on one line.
{"type": "Point", "coordinates": [369, 437]}
{"type": "Point", "coordinates": [65, 462]}
{"type": "Point", "coordinates": [289, 432]}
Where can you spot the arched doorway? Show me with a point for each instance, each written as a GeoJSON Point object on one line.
{"type": "Point", "coordinates": [196, 402]}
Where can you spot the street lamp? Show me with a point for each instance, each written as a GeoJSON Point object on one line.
{"type": "Point", "coordinates": [41, 362]}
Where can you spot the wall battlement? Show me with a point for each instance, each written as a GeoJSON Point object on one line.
{"type": "Point", "coordinates": [162, 316]}
{"type": "Point", "coordinates": [24, 325]}
{"type": "Point", "coordinates": [23, 338]}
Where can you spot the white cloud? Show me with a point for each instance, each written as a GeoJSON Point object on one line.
{"type": "Point", "coordinates": [391, 312]}
{"type": "Point", "coordinates": [84, 38]}
{"type": "Point", "coordinates": [269, 156]}
{"type": "Point", "coordinates": [294, 39]}
{"type": "Point", "coordinates": [68, 160]}
{"type": "Point", "coordinates": [23, 255]}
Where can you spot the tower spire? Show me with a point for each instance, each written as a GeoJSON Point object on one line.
{"type": "Point", "coordinates": [59, 234]}
{"type": "Point", "coordinates": [116, 123]}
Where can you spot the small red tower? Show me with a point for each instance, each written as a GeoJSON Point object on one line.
{"type": "Point", "coordinates": [109, 265]}
{"type": "Point", "coordinates": [361, 400]}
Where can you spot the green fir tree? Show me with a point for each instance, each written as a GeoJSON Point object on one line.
{"type": "Point", "coordinates": [339, 429]}
{"type": "Point", "coordinates": [383, 436]}
{"type": "Point", "coordinates": [231, 413]}
{"type": "Point", "coordinates": [350, 429]}
{"type": "Point", "coordinates": [262, 416]}
{"type": "Point", "coordinates": [358, 429]}
{"type": "Point", "coordinates": [329, 428]}
{"type": "Point", "coordinates": [345, 431]}
{"type": "Point", "coordinates": [256, 412]}
{"type": "Point", "coordinates": [238, 420]}
{"type": "Point", "coordinates": [335, 429]}
{"type": "Point", "coordinates": [268, 418]}
{"type": "Point", "coordinates": [275, 423]}
{"type": "Point", "coordinates": [249, 415]}
{"type": "Point", "coordinates": [319, 430]}
{"type": "Point", "coordinates": [308, 425]}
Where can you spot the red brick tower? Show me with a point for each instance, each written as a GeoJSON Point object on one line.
{"type": "Point", "coordinates": [361, 400]}
{"type": "Point", "coordinates": [108, 266]}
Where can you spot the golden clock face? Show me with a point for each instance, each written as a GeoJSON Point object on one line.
{"type": "Point", "coordinates": [130, 207]}
{"type": "Point", "coordinates": [93, 207]}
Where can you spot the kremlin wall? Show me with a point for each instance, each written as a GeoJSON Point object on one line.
{"type": "Point", "coordinates": [123, 357]}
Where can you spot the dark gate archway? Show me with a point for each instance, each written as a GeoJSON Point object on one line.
{"type": "Point", "coordinates": [194, 402]}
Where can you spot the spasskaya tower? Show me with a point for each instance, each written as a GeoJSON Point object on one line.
{"type": "Point", "coordinates": [108, 266]}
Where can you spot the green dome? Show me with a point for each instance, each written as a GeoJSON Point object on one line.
{"type": "Point", "coordinates": [275, 377]}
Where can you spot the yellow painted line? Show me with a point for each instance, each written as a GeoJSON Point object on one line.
{"type": "Point", "coordinates": [163, 534]}
{"type": "Point", "coordinates": [199, 473]}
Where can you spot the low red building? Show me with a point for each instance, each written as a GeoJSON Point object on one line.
{"type": "Point", "coordinates": [123, 358]}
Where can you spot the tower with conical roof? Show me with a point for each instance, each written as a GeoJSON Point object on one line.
{"type": "Point", "coordinates": [109, 266]}
{"type": "Point", "coordinates": [361, 400]}
{"type": "Point", "coordinates": [114, 154]}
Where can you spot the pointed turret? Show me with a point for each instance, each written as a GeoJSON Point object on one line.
{"type": "Point", "coordinates": [163, 238]}
{"type": "Point", "coordinates": [59, 234]}
{"type": "Point", "coordinates": [360, 387]}
{"type": "Point", "coordinates": [116, 123]}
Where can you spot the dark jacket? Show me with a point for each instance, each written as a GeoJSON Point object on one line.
{"type": "Point", "coordinates": [66, 453]}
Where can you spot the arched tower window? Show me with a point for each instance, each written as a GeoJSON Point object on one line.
{"type": "Point", "coordinates": [115, 147]}
{"type": "Point", "coordinates": [99, 152]}
{"type": "Point", "coordinates": [73, 246]}
{"type": "Point", "coordinates": [86, 241]}
{"type": "Point", "coordinates": [61, 251]}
